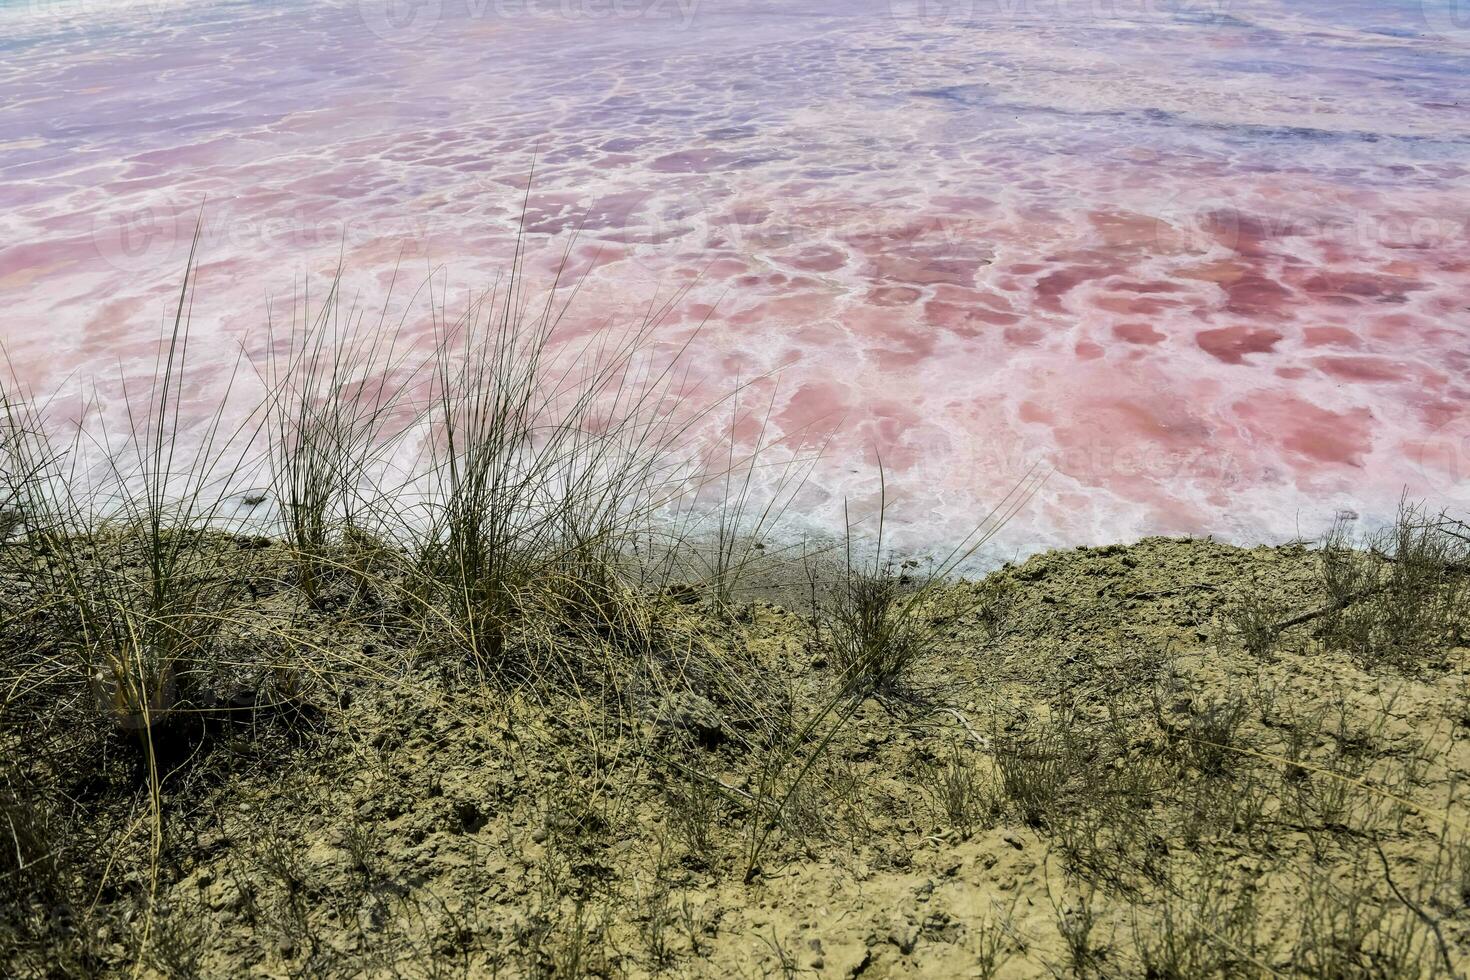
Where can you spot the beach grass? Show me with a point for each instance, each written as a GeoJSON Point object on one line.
{"type": "Point", "coordinates": [488, 691]}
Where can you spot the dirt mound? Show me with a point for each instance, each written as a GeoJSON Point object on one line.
{"type": "Point", "coordinates": [1088, 773]}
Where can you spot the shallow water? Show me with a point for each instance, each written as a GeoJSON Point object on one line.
{"type": "Point", "coordinates": [1208, 262]}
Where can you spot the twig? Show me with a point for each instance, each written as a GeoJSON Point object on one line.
{"type": "Point", "coordinates": [733, 790]}
{"type": "Point", "coordinates": [1425, 917]}
{"type": "Point", "coordinates": [980, 740]}
{"type": "Point", "coordinates": [1331, 607]}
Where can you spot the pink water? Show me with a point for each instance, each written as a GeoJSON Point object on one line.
{"type": "Point", "coordinates": [1206, 262]}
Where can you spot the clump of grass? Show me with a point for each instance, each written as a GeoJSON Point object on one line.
{"type": "Point", "coordinates": [336, 385]}
{"type": "Point", "coordinates": [1077, 920]}
{"type": "Point", "coordinates": [1206, 925]}
{"type": "Point", "coordinates": [876, 619]}
{"type": "Point", "coordinates": [1345, 928]}
{"type": "Point", "coordinates": [958, 794]}
{"type": "Point", "coordinates": [991, 948]}
{"type": "Point", "coordinates": [791, 751]}
{"type": "Point", "coordinates": [1397, 595]}
{"type": "Point", "coordinates": [1206, 739]}
{"type": "Point", "coordinates": [29, 844]}
{"type": "Point", "coordinates": [178, 942]}
{"type": "Point", "coordinates": [1255, 621]}
{"type": "Point", "coordinates": [694, 805]}
{"type": "Point", "coordinates": [26, 461]}
{"type": "Point", "coordinates": [485, 520]}
{"type": "Point", "coordinates": [1038, 771]}
{"type": "Point", "coordinates": [742, 511]}
{"type": "Point", "coordinates": [993, 604]}
{"type": "Point", "coordinates": [875, 627]}
{"type": "Point", "coordinates": [126, 562]}
{"type": "Point", "coordinates": [540, 476]}
{"type": "Point", "coordinates": [135, 569]}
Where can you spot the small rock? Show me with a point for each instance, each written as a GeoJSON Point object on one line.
{"type": "Point", "coordinates": [687, 713]}
{"type": "Point", "coordinates": [903, 934]}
